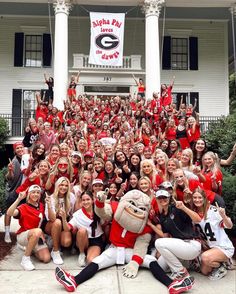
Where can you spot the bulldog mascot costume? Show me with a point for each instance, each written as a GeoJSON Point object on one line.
{"type": "Point", "coordinates": [129, 236]}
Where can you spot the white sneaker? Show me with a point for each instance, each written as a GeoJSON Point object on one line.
{"type": "Point", "coordinates": [82, 260]}
{"type": "Point", "coordinates": [218, 273]}
{"type": "Point", "coordinates": [56, 257]}
{"type": "Point", "coordinates": [27, 264]}
{"type": "Point", "coordinates": [7, 238]}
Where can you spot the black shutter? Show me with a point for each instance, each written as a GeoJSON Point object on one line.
{"type": "Point", "coordinates": [193, 96]}
{"type": "Point", "coordinates": [193, 53]}
{"type": "Point", "coordinates": [19, 49]}
{"type": "Point", "coordinates": [47, 50]}
{"type": "Point", "coordinates": [166, 54]}
{"type": "Point", "coordinates": [16, 112]}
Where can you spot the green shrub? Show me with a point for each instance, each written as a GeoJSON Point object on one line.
{"type": "Point", "coordinates": [2, 190]}
{"type": "Point", "coordinates": [229, 194]}
{"type": "Point", "coordinates": [221, 137]}
{"type": "Point", "coordinates": [4, 132]}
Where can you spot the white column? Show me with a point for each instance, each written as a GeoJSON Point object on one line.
{"type": "Point", "coordinates": [62, 8]}
{"type": "Point", "coordinates": [152, 10]}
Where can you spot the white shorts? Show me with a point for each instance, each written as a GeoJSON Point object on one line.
{"type": "Point", "coordinates": [22, 239]}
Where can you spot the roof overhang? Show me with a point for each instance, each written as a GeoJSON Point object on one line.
{"type": "Point", "coordinates": [168, 3]}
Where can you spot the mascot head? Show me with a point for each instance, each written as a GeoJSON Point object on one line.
{"type": "Point", "coordinates": [132, 211]}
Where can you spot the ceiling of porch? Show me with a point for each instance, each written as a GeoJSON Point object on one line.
{"type": "Point", "coordinates": [169, 3]}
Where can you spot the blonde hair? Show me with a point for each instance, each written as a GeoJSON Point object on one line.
{"type": "Point", "coordinates": [153, 174]}
{"type": "Point", "coordinates": [66, 197]}
{"type": "Point", "coordinates": [69, 168]}
{"type": "Point", "coordinates": [215, 167]}
{"type": "Point", "coordinates": [189, 152]}
{"type": "Point", "coordinates": [86, 172]}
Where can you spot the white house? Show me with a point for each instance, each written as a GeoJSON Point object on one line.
{"type": "Point", "coordinates": [195, 43]}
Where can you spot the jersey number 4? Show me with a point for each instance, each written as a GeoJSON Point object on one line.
{"type": "Point", "coordinates": [208, 233]}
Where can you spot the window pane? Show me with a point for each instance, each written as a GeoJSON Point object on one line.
{"type": "Point", "coordinates": [33, 50]}
{"type": "Point", "coordinates": [179, 53]}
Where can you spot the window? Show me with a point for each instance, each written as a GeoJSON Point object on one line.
{"type": "Point", "coordinates": [33, 50]}
{"type": "Point", "coordinates": [179, 53]}
{"type": "Point", "coordinates": [29, 103]}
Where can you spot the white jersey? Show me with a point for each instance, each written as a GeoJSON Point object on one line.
{"type": "Point", "coordinates": [81, 219]}
{"type": "Point", "coordinates": [61, 205]}
{"type": "Point", "coordinates": [213, 229]}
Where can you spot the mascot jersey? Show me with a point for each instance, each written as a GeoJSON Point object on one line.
{"type": "Point", "coordinates": [118, 235]}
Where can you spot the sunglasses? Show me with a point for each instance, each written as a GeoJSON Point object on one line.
{"type": "Point", "coordinates": [162, 198]}
{"type": "Point", "coordinates": [62, 165]}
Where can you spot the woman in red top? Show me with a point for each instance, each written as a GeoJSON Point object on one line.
{"type": "Point", "coordinates": [193, 129]}
{"type": "Point", "coordinates": [54, 154]}
{"type": "Point", "coordinates": [211, 174]}
{"type": "Point", "coordinates": [166, 93]}
{"type": "Point", "coordinates": [147, 168]}
{"type": "Point", "coordinates": [170, 130]}
{"type": "Point", "coordinates": [38, 177]}
{"type": "Point", "coordinates": [30, 235]}
{"type": "Point", "coordinates": [62, 168]}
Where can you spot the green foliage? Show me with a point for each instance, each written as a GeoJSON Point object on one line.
{"type": "Point", "coordinates": [4, 132]}
{"type": "Point", "coordinates": [229, 194]}
{"type": "Point", "coordinates": [221, 137]}
{"type": "Point", "coordinates": [232, 93]}
{"type": "Point", "coordinates": [2, 189]}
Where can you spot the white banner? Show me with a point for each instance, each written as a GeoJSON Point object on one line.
{"type": "Point", "coordinates": [107, 38]}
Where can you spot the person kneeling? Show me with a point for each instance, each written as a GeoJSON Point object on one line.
{"type": "Point", "coordinates": [30, 235]}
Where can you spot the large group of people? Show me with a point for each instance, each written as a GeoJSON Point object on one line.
{"type": "Point", "coordinates": [67, 157]}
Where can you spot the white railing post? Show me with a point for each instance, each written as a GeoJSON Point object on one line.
{"type": "Point", "coordinates": [78, 60]}
{"type": "Point", "coordinates": [136, 62]}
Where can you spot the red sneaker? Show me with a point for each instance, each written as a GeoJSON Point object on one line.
{"type": "Point", "coordinates": [66, 279]}
{"type": "Point", "coordinates": [179, 286]}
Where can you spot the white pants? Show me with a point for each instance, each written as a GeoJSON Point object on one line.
{"type": "Point", "coordinates": [173, 249]}
{"type": "Point", "coordinates": [112, 255]}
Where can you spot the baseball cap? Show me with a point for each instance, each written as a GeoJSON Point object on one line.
{"type": "Point", "coordinates": [89, 153]}
{"type": "Point", "coordinates": [166, 185]}
{"type": "Point", "coordinates": [160, 193]}
{"type": "Point", "coordinates": [76, 153]}
{"type": "Point", "coordinates": [97, 181]}
{"type": "Point", "coordinates": [15, 145]}
{"type": "Point", "coordinates": [33, 188]}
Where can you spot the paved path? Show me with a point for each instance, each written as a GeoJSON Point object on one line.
{"type": "Point", "coordinates": [13, 279]}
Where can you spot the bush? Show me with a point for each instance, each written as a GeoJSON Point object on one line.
{"type": "Point", "coordinates": [4, 132]}
{"type": "Point", "coordinates": [2, 190]}
{"type": "Point", "coordinates": [221, 137]}
{"type": "Point", "coordinates": [229, 194]}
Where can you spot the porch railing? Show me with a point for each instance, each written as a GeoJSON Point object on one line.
{"type": "Point", "coordinates": [18, 124]}
{"type": "Point", "coordinates": [132, 62]}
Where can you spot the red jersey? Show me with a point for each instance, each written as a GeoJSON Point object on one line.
{"type": "Point", "coordinates": [116, 233]}
{"type": "Point", "coordinates": [207, 185]}
{"type": "Point", "coordinates": [193, 136]}
{"type": "Point", "coordinates": [30, 217]}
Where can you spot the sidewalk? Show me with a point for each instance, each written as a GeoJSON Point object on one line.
{"type": "Point", "coordinates": [109, 281]}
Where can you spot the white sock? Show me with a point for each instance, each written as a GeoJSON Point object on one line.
{"type": "Point", "coordinates": [7, 229]}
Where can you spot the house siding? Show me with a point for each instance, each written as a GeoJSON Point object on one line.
{"type": "Point", "coordinates": [210, 80]}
